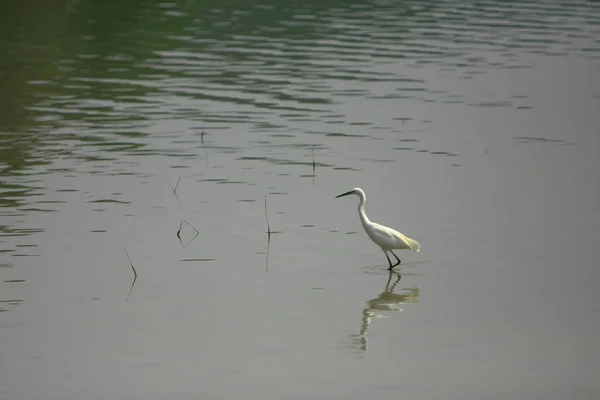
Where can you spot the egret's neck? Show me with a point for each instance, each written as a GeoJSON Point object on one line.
{"type": "Point", "coordinates": [361, 212]}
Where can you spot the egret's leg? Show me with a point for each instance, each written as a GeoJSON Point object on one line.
{"type": "Point", "coordinates": [396, 258]}
{"type": "Point", "coordinates": [388, 258]}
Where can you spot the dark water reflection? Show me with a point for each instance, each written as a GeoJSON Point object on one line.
{"type": "Point", "coordinates": [129, 63]}
{"type": "Point", "coordinates": [97, 82]}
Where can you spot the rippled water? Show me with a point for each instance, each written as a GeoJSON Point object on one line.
{"type": "Point", "coordinates": [170, 129]}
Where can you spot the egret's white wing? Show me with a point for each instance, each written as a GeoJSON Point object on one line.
{"type": "Point", "coordinates": [391, 238]}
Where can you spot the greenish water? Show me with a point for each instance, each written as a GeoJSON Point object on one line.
{"type": "Point", "coordinates": [160, 128]}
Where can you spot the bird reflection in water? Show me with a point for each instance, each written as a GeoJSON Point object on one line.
{"type": "Point", "coordinates": [386, 301]}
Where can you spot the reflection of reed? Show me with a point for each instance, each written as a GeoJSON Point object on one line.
{"type": "Point", "coordinates": [175, 190]}
{"type": "Point", "coordinates": [267, 254]}
{"type": "Point", "coordinates": [202, 134]}
{"type": "Point", "coordinates": [134, 275]}
{"type": "Point", "coordinates": [314, 166]}
{"type": "Point", "coordinates": [267, 218]}
{"type": "Point", "coordinates": [269, 233]}
{"type": "Point", "coordinates": [386, 301]}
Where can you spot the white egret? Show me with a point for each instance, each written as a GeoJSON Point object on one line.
{"type": "Point", "coordinates": [384, 237]}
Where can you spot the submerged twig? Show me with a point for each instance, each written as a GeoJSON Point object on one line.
{"type": "Point", "coordinates": [191, 226]}
{"type": "Point", "coordinates": [135, 275]}
{"type": "Point", "coordinates": [267, 217]}
{"type": "Point", "coordinates": [179, 233]}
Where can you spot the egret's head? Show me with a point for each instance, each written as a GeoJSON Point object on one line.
{"type": "Point", "coordinates": [356, 191]}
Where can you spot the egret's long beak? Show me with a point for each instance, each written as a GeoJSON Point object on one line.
{"type": "Point", "coordinates": [345, 194]}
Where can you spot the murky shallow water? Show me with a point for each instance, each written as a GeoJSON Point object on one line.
{"type": "Point", "coordinates": [472, 128]}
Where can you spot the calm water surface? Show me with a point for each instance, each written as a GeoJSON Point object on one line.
{"type": "Point", "coordinates": [161, 127]}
